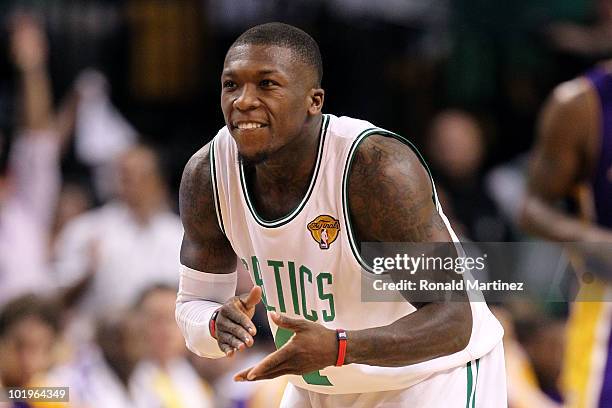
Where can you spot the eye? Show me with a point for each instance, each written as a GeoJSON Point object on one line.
{"type": "Point", "coordinates": [229, 84]}
{"type": "Point", "coordinates": [267, 83]}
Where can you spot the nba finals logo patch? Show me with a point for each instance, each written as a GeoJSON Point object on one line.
{"type": "Point", "coordinates": [324, 230]}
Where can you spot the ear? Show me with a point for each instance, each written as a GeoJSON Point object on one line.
{"type": "Point", "coordinates": [317, 96]}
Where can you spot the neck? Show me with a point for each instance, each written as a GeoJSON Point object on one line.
{"type": "Point", "coordinates": [293, 163]}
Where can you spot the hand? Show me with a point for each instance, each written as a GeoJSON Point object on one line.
{"type": "Point", "coordinates": [28, 43]}
{"type": "Point", "coordinates": [234, 328]}
{"type": "Point", "coordinates": [312, 348]}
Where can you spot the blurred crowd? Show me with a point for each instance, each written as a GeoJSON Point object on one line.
{"type": "Point", "coordinates": [103, 101]}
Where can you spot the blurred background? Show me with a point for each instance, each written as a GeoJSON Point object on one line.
{"type": "Point", "coordinates": [102, 102]}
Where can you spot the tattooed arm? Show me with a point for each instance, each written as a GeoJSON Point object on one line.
{"type": "Point", "coordinates": [390, 200]}
{"type": "Point", "coordinates": [206, 249]}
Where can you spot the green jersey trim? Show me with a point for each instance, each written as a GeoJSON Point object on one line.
{"type": "Point", "coordinates": [347, 171]}
{"type": "Point", "coordinates": [213, 176]}
{"type": "Point", "coordinates": [472, 382]}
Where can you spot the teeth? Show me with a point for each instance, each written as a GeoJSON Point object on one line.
{"type": "Point", "coordinates": [248, 125]}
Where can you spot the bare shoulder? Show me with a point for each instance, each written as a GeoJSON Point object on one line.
{"type": "Point", "coordinates": [572, 92]}
{"type": "Point", "coordinates": [570, 112]}
{"type": "Point", "coordinates": [205, 247]}
{"type": "Point", "coordinates": [197, 170]}
{"type": "Point", "coordinates": [196, 190]}
{"type": "Point", "coordinates": [391, 194]}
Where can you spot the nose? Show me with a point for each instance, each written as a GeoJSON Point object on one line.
{"type": "Point", "coordinates": [247, 99]}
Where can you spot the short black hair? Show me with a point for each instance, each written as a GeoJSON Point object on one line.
{"type": "Point", "coordinates": [27, 306]}
{"type": "Point", "coordinates": [288, 36]}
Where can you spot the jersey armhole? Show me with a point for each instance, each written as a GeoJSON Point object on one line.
{"type": "Point", "coordinates": [213, 177]}
{"type": "Point", "coordinates": [347, 170]}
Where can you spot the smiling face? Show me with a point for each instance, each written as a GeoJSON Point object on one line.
{"type": "Point", "coordinates": [267, 98]}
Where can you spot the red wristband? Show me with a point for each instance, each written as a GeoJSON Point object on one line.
{"type": "Point", "coordinates": [342, 340]}
{"type": "Point", "coordinates": [211, 323]}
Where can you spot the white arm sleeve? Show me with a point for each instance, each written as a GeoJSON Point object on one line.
{"type": "Point", "coordinates": [199, 295]}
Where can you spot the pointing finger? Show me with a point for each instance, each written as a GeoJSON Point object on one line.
{"type": "Point", "coordinates": [270, 363]}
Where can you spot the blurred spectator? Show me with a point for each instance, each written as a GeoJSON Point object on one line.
{"type": "Point", "coordinates": [456, 151]}
{"type": "Point", "coordinates": [99, 373]}
{"type": "Point", "coordinates": [74, 199]}
{"type": "Point", "coordinates": [30, 182]}
{"type": "Point", "coordinates": [29, 328]}
{"type": "Point", "coordinates": [165, 378]}
{"type": "Point", "coordinates": [102, 134]}
{"type": "Point", "coordinates": [112, 253]}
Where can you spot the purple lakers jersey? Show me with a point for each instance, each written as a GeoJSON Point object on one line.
{"type": "Point", "coordinates": [602, 180]}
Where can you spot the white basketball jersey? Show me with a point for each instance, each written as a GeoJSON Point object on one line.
{"type": "Point", "coordinates": [308, 267]}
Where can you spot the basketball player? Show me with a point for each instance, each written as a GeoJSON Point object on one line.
{"type": "Point", "coordinates": [574, 150]}
{"type": "Point", "coordinates": [263, 190]}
